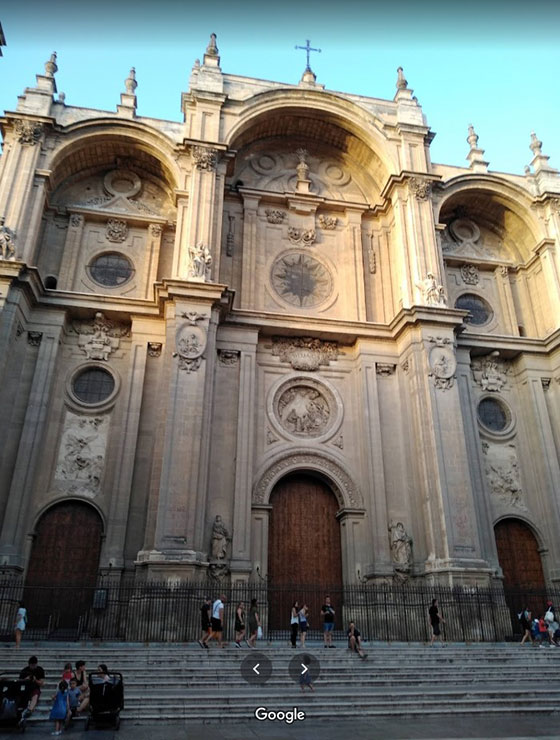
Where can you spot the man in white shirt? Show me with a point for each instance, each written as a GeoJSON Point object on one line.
{"type": "Point", "coordinates": [217, 618]}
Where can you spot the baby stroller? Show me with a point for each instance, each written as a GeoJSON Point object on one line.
{"type": "Point", "coordinates": [106, 699]}
{"type": "Point", "coordinates": [14, 698]}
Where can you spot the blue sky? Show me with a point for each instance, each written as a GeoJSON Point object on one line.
{"type": "Point", "coordinates": [493, 64]}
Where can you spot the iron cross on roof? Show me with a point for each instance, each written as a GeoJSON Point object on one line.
{"type": "Point", "coordinates": [307, 48]}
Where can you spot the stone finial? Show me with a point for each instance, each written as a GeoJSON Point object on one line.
{"type": "Point", "coordinates": [212, 48]}
{"type": "Point", "coordinates": [308, 77]}
{"type": "Point", "coordinates": [475, 155]}
{"type": "Point", "coordinates": [51, 66]}
{"type": "Point", "coordinates": [535, 146]}
{"type": "Point", "coordinates": [130, 83]}
{"type": "Point", "coordinates": [472, 138]}
{"type": "Point", "coordinates": [61, 97]}
{"type": "Point", "coordinates": [527, 170]}
{"type": "Point", "coordinates": [402, 83]}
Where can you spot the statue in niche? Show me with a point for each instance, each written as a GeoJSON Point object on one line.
{"type": "Point", "coordinates": [401, 547]}
{"type": "Point", "coordinates": [220, 539]}
{"type": "Point", "coordinates": [200, 262]}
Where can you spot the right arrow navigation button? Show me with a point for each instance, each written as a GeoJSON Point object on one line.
{"type": "Point", "coordinates": [304, 664]}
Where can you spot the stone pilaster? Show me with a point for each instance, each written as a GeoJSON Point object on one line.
{"type": "Point", "coordinates": [180, 539]}
{"type": "Point", "coordinates": [72, 246]}
{"type": "Point", "coordinates": [356, 268]}
{"type": "Point", "coordinates": [124, 457]}
{"type": "Point", "coordinates": [44, 340]}
{"type": "Point", "coordinates": [241, 538]}
{"type": "Point", "coordinates": [543, 472]}
{"type": "Point", "coordinates": [444, 480]}
{"type": "Point", "coordinates": [374, 472]}
{"type": "Point", "coordinates": [250, 225]}
{"type": "Point", "coordinates": [352, 524]}
{"type": "Point", "coordinates": [506, 300]}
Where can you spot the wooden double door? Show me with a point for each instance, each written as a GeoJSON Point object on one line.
{"type": "Point", "coordinates": [518, 554]}
{"type": "Point", "coordinates": [304, 553]}
{"type": "Point", "coordinates": [64, 564]}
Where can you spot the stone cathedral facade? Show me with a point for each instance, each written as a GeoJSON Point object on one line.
{"type": "Point", "coordinates": [273, 340]}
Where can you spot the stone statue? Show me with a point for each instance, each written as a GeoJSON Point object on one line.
{"type": "Point", "coordinates": [7, 248]}
{"type": "Point", "coordinates": [201, 261]}
{"type": "Point", "coordinates": [434, 294]}
{"type": "Point", "coordinates": [220, 539]}
{"type": "Point", "coordinates": [401, 547]}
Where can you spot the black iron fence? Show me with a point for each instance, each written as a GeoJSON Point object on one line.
{"type": "Point", "coordinates": [170, 612]}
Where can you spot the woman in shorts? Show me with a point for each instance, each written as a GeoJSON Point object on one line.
{"type": "Point", "coordinates": [303, 617]}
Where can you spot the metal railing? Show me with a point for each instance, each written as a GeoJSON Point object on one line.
{"type": "Point", "coordinates": [170, 612]}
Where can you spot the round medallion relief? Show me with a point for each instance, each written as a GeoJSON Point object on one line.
{"type": "Point", "coordinates": [305, 408]}
{"type": "Point", "coordinates": [301, 280]}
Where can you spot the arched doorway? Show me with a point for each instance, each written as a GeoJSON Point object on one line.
{"type": "Point", "coordinates": [304, 550]}
{"type": "Point", "coordinates": [65, 554]}
{"type": "Point", "coordinates": [518, 553]}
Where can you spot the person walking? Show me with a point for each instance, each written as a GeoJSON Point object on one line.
{"type": "Point", "coordinates": [21, 623]}
{"type": "Point", "coordinates": [217, 619]}
{"type": "Point", "coordinates": [525, 621]}
{"type": "Point", "coordinates": [253, 624]}
{"type": "Point", "coordinates": [294, 623]}
{"type": "Point", "coordinates": [551, 622]}
{"type": "Point", "coordinates": [239, 624]}
{"type": "Point", "coordinates": [303, 619]}
{"type": "Point", "coordinates": [327, 612]}
{"type": "Point", "coordinates": [435, 620]}
{"type": "Point", "coordinates": [205, 624]}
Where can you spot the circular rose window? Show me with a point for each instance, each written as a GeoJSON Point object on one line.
{"type": "Point", "coordinates": [494, 415]}
{"type": "Point", "coordinates": [301, 280]}
{"type": "Point", "coordinates": [93, 385]}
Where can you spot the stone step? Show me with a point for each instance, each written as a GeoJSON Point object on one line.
{"type": "Point", "coordinates": [174, 682]}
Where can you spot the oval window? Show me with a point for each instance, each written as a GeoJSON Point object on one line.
{"type": "Point", "coordinates": [480, 311]}
{"type": "Point", "coordinates": [111, 270]}
{"type": "Point", "coordinates": [493, 415]}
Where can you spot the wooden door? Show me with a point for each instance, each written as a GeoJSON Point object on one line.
{"type": "Point", "coordinates": [304, 554]}
{"type": "Point", "coordinates": [518, 554]}
{"type": "Point", "coordinates": [65, 554]}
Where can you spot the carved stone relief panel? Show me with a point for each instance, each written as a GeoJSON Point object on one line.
{"type": "Point", "coordinates": [464, 237]}
{"type": "Point", "coordinates": [502, 470]}
{"type": "Point", "coordinates": [301, 280]}
{"type": "Point", "coordinates": [81, 456]}
{"type": "Point", "coordinates": [305, 408]}
{"type": "Point", "coordinates": [490, 373]}
{"type": "Point", "coordinates": [305, 353]}
{"type": "Point", "coordinates": [278, 172]}
{"type": "Point", "coordinates": [442, 363]}
{"type": "Point", "coordinates": [100, 337]}
{"type": "Point", "coordinates": [191, 342]}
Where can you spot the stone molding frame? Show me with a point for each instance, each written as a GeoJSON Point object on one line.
{"type": "Point", "coordinates": [293, 460]}
{"type": "Point", "coordinates": [329, 394]}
